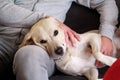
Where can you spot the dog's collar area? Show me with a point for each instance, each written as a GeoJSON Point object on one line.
{"type": "Point", "coordinates": [64, 57]}
{"type": "Point", "coordinates": [58, 59]}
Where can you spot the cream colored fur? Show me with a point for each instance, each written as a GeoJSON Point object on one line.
{"type": "Point", "coordinates": [78, 60]}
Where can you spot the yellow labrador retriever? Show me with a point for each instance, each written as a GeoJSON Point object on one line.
{"type": "Point", "coordinates": [76, 60]}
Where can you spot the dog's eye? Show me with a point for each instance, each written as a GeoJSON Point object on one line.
{"type": "Point", "coordinates": [43, 41]}
{"type": "Point", "coordinates": [55, 32]}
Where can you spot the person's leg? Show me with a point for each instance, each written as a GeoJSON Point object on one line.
{"type": "Point", "coordinates": [7, 50]}
{"type": "Point", "coordinates": [32, 63]}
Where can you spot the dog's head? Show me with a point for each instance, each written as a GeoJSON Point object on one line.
{"type": "Point", "coordinates": [48, 34]}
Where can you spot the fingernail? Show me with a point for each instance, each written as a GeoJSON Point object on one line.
{"type": "Point", "coordinates": [67, 45]}
{"type": "Point", "coordinates": [74, 44]}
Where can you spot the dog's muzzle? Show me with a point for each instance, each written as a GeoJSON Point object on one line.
{"type": "Point", "coordinates": [59, 51]}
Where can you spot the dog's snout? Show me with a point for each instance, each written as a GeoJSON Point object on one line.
{"type": "Point", "coordinates": [59, 50]}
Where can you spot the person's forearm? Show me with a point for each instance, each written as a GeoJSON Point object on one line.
{"type": "Point", "coordinates": [108, 17]}
{"type": "Point", "coordinates": [108, 14]}
{"type": "Point", "coordinates": [15, 16]}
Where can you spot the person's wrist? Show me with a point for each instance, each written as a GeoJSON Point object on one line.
{"type": "Point", "coordinates": [106, 38]}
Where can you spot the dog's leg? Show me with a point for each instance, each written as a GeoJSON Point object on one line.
{"type": "Point", "coordinates": [92, 74]}
{"type": "Point", "coordinates": [95, 43]}
{"type": "Point", "coordinates": [104, 58]}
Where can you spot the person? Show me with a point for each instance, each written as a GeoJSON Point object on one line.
{"type": "Point", "coordinates": [32, 62]}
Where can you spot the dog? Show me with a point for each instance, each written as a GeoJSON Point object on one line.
{"type": "Point", "coordinates": [78, 60]}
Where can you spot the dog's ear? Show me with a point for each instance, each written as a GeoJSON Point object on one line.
{"type": "Point", "coordinates": [37, 42]}
{"type": "Point", "coordinates": [26, 41]}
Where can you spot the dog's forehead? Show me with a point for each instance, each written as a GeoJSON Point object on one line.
{"type": "Point", "coordinates": [49, 25]}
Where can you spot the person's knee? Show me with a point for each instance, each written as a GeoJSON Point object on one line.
{"type": "Point", "coordinates": [30, 57]}
{"type": "Point", "coordinates": [30, 52]}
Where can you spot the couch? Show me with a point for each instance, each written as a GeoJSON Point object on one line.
{"type": "Point", "coordinates": [80, 19]}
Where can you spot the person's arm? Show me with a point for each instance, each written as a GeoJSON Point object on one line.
{"type": "Point", "coordinates": [15, 16]}
{"type": "Point", "coordinates": [108, 17]}
{"type": "Point", "coordinates": [108, 20]}
{"type": "Point", "coordinates": [108, 14]}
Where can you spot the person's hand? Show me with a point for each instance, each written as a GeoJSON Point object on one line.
{"type": "Point", "coordinates": [70, 35]}
{"type": "Point", "coordinates": [106, 48]}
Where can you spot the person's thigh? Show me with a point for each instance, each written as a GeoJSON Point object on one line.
{"type": "Point", "coordinates": [32, 63]}
{"type": "Point", "coordinates": [7, 50]}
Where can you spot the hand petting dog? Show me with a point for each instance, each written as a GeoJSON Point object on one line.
{"type": "Point", "coordinates": [70, 35]}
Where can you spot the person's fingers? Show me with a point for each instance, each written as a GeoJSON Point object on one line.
{"type": "Point", "coordinates": [106, 51]}
{"type": "Point", "coordinates": [111, 52]}
{"type": "Point", "coordinates": [76, 35]}
{"type": "Point", "coordinates": [106, 46]}
{"type": "Point", "coordinates": [70, 35]}
{"type": "Point", "coordinates": [71, 38]}
{"type": "Point", "coordinates": [66, 39]}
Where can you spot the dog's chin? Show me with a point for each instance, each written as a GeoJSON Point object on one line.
{"type": "Point", "coordinates": [58, 57]}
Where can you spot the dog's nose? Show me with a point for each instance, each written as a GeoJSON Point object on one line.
{"type": "Point", "coordinates": [59, 50]}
